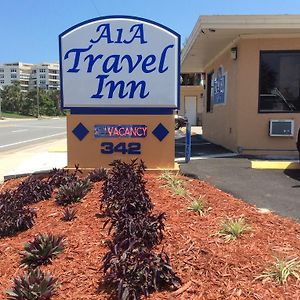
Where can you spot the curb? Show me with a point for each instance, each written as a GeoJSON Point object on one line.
{"type": "Point", "coordinates": [57, 149]}
{"type": "Point", "coordinates": [84, 170]}
{"type": "Point", "coordinates": [14, 176]}
{"type": "Point", "coordinates": [275, 165]}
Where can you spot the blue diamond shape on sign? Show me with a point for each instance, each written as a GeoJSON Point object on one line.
{"type": "Point", "coordinates": [80, 131]}
{"type": "Point", "coordinates": [160, 132]}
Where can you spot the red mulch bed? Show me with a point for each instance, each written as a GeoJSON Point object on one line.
{"type": "Point", "coordinates": [209, 267]}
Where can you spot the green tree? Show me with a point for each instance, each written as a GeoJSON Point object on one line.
{"type": "Point", "coordinates": [29, 104]}
{"type": "Point", "coordinates": [54, 95]}
{"type": "Point", "coordinates": [48, 102]}
{"type": "Point", "coordinates": [12, 98]}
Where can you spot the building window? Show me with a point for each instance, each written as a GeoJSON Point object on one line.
{"type": "Point", "coordinates": [42, 70]}
{"type": "Point", "coordinates": [190, 79]}
{"type": "Point", "coordinates": [1, 75]}
{"type": "Point", "coordinates": [42, 76]}
{"type": "Point", "coordinates": [1, 70]}
{"type": "Point", "coordinates": [1, 81]}
{"type": "Point", "coordinates": [279, 81]}
{"type": "Point", "coordinates": [13, 75]}
{"type": "Point", "coordinates": [210, 92]}
{"type": "Point", "coordinates": [13, 70]}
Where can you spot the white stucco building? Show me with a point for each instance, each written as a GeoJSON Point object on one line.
{"type": "Point", "coordinates": [30, 76]}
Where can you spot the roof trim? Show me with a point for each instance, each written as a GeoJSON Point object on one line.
{"type": "Point", "coordinates": [239, 22]}
{"type": "Point", "coordinates": [250, 21]}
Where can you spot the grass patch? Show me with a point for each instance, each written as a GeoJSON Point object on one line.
{"type": "Point", "coordinates": [197, 205]}
{"type": "Point", "coordinates": [174, 183]}
{"type": "Point", "coordinates": [282, 269]}
{"type": "Point", "coordinates": [231, 229]}
{"type": "Point", "coordinates": [15, 115]}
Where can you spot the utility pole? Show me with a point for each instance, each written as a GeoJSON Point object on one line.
{"type": "Point", "coordinates": [1, 89]}
{"type": "Point", "coordinates": [38, 100]}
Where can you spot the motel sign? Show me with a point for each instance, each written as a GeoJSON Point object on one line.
{"type": "Point", "coordinates": [120, 80]}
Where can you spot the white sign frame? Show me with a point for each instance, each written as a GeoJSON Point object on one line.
{"type": "Point", "coordinates": [143, 57]}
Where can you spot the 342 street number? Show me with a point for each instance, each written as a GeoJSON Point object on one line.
{"type": "Point", "coordinates": [130, 148]}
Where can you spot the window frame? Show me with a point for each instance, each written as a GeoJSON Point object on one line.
{"type": "Point", "coordinates": [261, 52]}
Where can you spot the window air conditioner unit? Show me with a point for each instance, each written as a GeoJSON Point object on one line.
{"type": "Point", "coordinates": [281, 128]}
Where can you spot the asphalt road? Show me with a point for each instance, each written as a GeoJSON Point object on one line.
{"type": "Point", "coordinates": [15, 134]}
{"type": "Point", "coordinates": [200, 148]}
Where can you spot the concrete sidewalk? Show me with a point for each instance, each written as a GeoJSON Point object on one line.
{"type": "Point", "coordinates": [32, 159]}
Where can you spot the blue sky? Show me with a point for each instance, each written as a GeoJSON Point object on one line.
{"type": "Point", "coordinates": [29, 29]}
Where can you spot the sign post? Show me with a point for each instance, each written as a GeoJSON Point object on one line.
{"type": "Point", "coordinates": [120, 79]}
{"type": "Point", "coordinates": [188, 142]}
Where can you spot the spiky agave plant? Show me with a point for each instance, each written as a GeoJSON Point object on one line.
{"type": "Point", "coordinates": [97, 175]}
{"type": "Point", "coordinates": [42, 250]}
{"type": "Point", "coordinates": [34, 285]}
{"type": "Point", "coordinates": [73, 191]}
{"type": "Point", "coordinates": [69, 214]}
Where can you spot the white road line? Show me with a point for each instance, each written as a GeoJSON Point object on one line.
{"type": "Point", "coordinates": [46, 127]}
{"type": "Point", "coordinates": [19, 130]}
{"type": "Point", "coordinates": [32, 140]}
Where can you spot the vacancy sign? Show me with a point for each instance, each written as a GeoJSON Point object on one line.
{"type": "Point", "coordinates": [119, 62]}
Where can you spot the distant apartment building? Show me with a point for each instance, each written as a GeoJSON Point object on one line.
{"type": "Point", "coordinates": [30, 76]}
{"type": "Point", "coordinates": [45, 76]}
{"type": "Point", "coordinates": [11, 72]}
